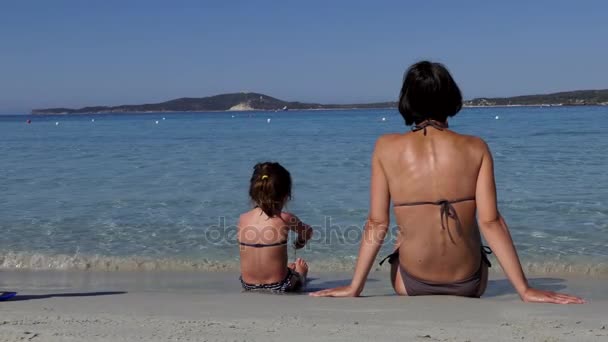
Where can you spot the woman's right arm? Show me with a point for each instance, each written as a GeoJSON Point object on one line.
{"type": "Point", "coordinates": [374, 232]}
{"type": "Point", "coordinates": [494, 229]}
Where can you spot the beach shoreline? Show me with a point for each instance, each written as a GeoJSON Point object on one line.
{"type": "Point", "coordinates": [572, 267]}
{"type": "Point", "coordinates": [193, 306]}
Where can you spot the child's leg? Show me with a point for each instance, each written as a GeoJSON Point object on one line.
{"type": "Point", "coordinates": [301, 268]}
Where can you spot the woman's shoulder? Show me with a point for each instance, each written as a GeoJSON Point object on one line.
{"type": "Point", "coordinates": [476, 141]}
{"type": "Point", "coordinates": [473, 140]}
{"type": "Point", "coordinates": [387, 143]}
{"type": "Point", "coordinates": [473, 144]}
{"type": "Point", "coordinates": [387, 139]}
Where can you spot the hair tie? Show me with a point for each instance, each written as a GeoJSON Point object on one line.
{"type": "Point", "coordinates": [264, 177]}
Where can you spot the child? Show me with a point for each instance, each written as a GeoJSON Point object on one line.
{"type": "Point", "coordinates": [263, 233]}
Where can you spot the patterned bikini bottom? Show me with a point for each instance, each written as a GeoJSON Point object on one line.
{"type": "Point", "coordinates": [293, 282]}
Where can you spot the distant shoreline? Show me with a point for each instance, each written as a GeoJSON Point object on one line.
{"type": "Point", "coordinates": [218, 111]}
{"type": "Point", "coordinates": [294, 110]}
{"type": "Point", "coordinates": [215, 111]}
{"type": "Point", "coordinates": [544, 105]}
{"type": "Point", "coordinates": [246, 102]}
{"type": "Point", "coordinates": [302, 110]}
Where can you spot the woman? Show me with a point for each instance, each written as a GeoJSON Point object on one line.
{"type": "Point", "coordinates": [438, 181]}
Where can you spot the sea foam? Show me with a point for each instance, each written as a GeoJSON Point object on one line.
{"type": "Point", "coordinates": [37, 261]}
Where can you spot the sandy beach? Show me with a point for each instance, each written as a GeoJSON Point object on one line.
{"type": "Point", "coordinates": [209, 306]}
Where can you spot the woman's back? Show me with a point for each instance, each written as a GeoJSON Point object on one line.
{"type": "Point", "coordinates": [432, 165]}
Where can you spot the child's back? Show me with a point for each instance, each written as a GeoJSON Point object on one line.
{"type": "Point", "coordinates": [263, 234]}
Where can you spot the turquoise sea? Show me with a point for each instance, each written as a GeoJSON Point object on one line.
{"type": "Point", "coordinates": [164, 191]}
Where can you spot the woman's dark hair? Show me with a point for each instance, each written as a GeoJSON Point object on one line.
{"type": "Point", "coordinates": [428, 93]}
{"type": "Point", "coordinates": [270, 187]}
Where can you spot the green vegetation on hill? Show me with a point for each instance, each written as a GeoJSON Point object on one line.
{"type": "Point", "coordinates": [568, 98]}
{"type": "Point", "coordinates": [235, 101]}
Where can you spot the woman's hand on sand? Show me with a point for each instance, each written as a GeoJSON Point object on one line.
{"type": "Point", "coordinates": [342, 291]}
{"type": "Point", "coordinates": [532, 295]}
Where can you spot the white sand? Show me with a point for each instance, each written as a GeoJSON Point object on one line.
{"type": "Point", "coordinates": [68, 306]}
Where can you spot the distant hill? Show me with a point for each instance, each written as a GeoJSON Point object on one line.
{"type": "Point", "coordinates": [567, 98]}
{"type": "Point", "coordinates": [256, 101]}
{"type": "Point", "coordinates": [224, 102]}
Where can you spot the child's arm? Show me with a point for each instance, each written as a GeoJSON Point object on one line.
{"type": "Point", "coordinates": [303, 230]}
{"type": "Point", "coordinates": [374, 233]}
{"type": "Point", "coordinates": [495, 230]}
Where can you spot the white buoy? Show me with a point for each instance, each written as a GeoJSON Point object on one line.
{"type": "Point", "coordinates": [268, 120]}
{"type": "Point", "coordinates": [92, 120]}
{"type": "Point", "coordinates": [233, 116]}
{"type": "Point", "coordinates": [383, 119]}
{"type": "Point", "coordinates": [156, 122]}
{"type": "Point", "coordinates": [164, 118]}
{"type": "Point", "coordinates": [57, 123]}
{"type": "Point", "coordinates": [497, 117]}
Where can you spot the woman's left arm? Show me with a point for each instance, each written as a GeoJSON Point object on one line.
{"type": "Point", "coordinates": [374, 232]}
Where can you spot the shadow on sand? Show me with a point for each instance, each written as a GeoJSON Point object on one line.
{"type": "Point", "coordinates": [502, 287]}
{"type": "Point", "coordinates": [18, 298]}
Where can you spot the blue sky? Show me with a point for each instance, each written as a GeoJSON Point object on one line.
{"type": "Point", "coordinates": [77, 53]}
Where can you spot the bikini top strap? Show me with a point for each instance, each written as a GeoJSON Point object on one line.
{"type": "Point", "coordinates": [440, 202]}
{"type": "Point", "coordinates": [261, 245]}
{"type": "Point", "coordinates": [446, 209]}
{"type": "Point", "coordinates": [423, 125]}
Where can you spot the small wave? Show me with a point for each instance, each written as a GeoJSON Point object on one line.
{"type": "Point", "coordinates": [37, 261]}
{"type": "Point", "coordinates": [589, 269]}
{"type": "Point", "coordinates": [565, 133]}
